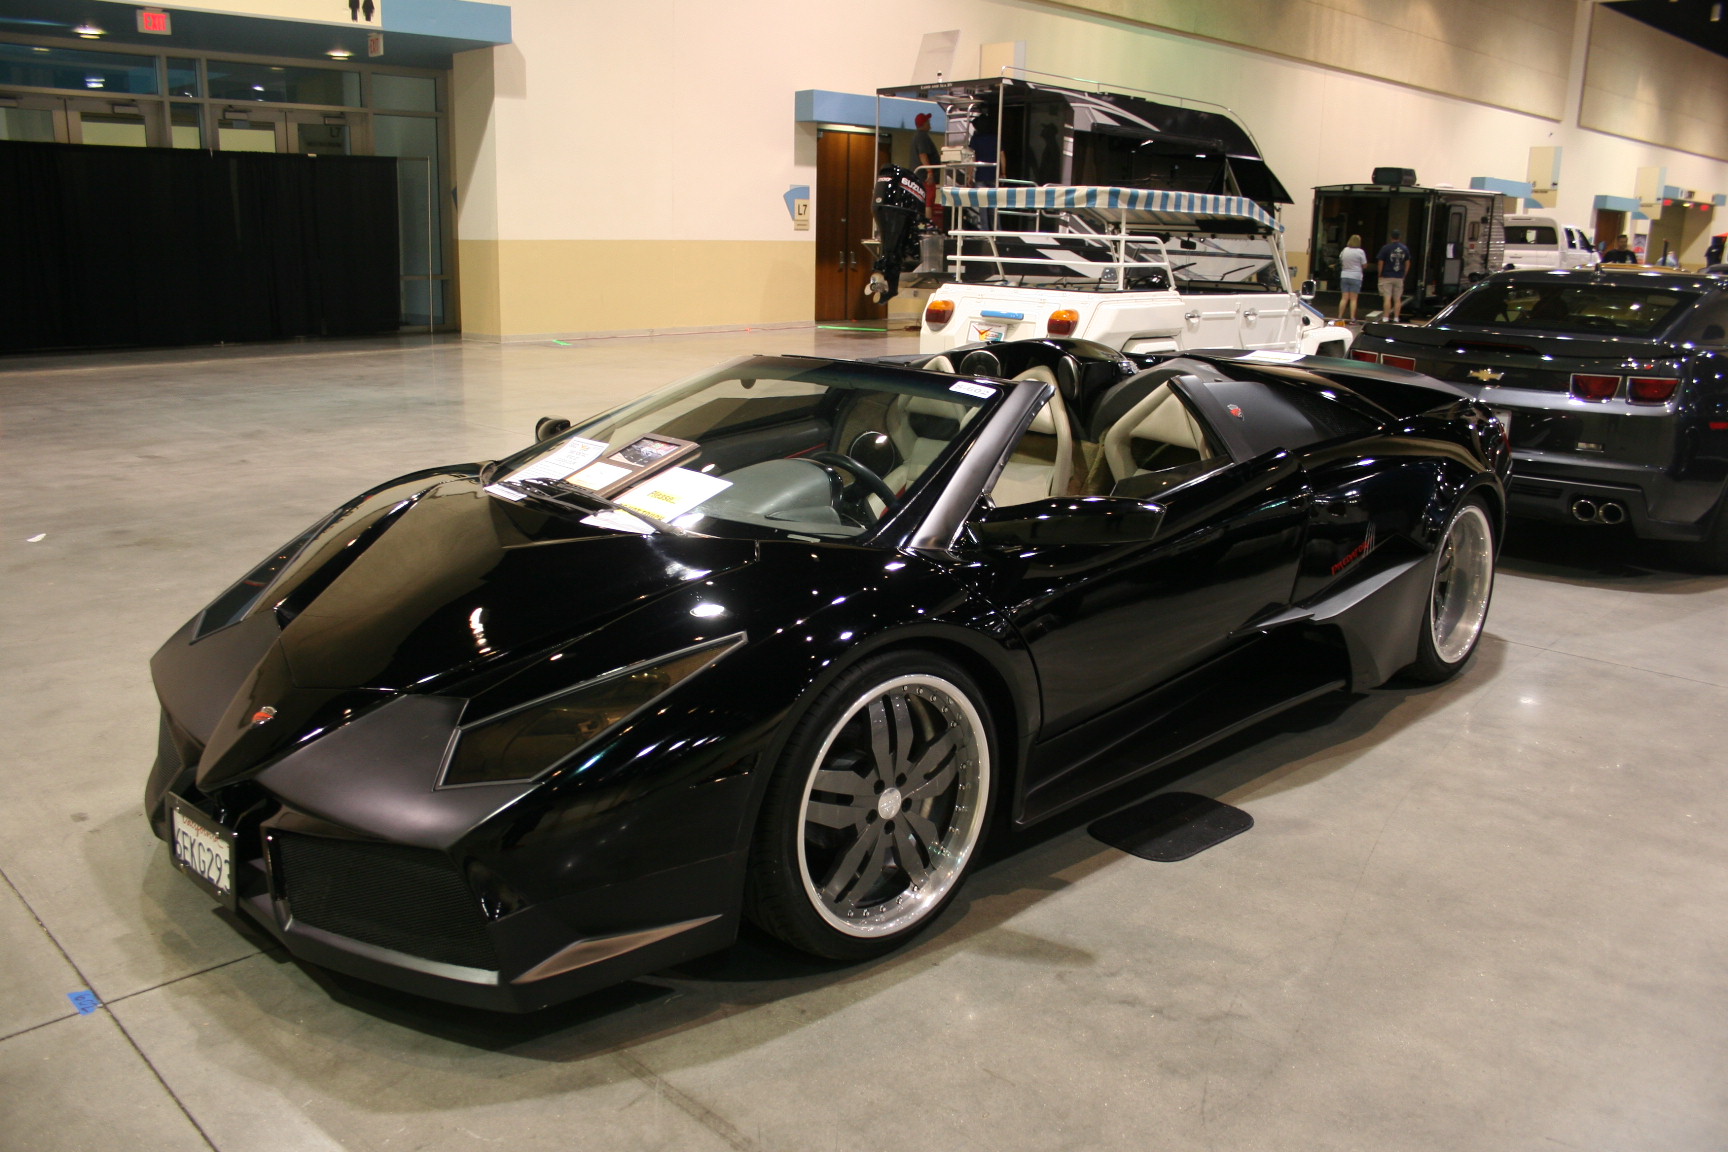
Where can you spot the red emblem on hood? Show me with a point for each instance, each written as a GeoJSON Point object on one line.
{"type": "Point", "coordinates": [263, 714]}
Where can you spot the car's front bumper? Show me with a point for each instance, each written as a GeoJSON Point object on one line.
{"type": "Point", "coordinates": [584, 962]}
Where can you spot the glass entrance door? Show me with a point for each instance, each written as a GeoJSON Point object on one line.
{"type": "Point", "coordinates": [38, 118]}
{"type": "Point", "coordinates": [325, 133]}
{"type": "Point", "coordinates": [250, 130]}
{"type": "Point", "coordinates": [117, 123]}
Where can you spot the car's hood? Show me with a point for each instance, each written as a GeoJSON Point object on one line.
{"type": "Point", "coordinates": [463, 579]}
{"type": "Point", "coordinates": [457, 583]}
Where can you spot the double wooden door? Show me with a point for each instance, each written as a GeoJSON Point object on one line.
{"type": "Point", "coordinates": [845, 186]}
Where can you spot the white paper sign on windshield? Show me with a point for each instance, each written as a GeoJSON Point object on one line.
{"type": "Point", "coordinates": [672, 493]}
{"type": "Point", "coordinates": [572, 455]}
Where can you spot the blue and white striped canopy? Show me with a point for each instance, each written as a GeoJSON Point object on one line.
{"type": "Point", "coordinates": [1173, 209]}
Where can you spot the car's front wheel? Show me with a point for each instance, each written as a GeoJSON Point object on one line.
{"type": "Point", "coordinates": [876, 808]}
{"type": "Point", "coordinates": [1458, 598]}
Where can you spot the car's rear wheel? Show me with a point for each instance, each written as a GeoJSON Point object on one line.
{"type": "Point", "coordinates": [876, 808]}
{"type": "Point", "coordinates": [1458, 597]}
{"type": "Point", "coordinates": [1710, 553]}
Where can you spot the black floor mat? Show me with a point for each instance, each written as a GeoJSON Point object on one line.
{"type": "Point", "coordinates": [1171, 826]}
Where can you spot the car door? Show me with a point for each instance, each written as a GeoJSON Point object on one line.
{"type": "Point", "coordinates": [1107, 623]}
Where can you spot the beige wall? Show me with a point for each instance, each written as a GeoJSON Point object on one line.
{"type": "Point", "coordinates": [1644, 84]}
{"type": "Point", "coordinates": [547, 288]}
{"type": "Point", "coordinates": [1507, 53]}
{"type": "Point", "coordinates": [621, 167]}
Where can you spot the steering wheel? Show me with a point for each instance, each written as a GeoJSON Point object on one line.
{"type": "Point", "coordinates": [877, 486]}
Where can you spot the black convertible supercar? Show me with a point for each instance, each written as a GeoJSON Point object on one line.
{"type": "Point", "coordinates": [784, 639]}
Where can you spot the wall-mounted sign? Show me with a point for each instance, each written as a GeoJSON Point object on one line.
{"type": "Point", "coordinates": [797, 200]}
{"type": "Point", "coordinates": [375, 44]}
{"type": "Point", "coordinates": [155, 21]}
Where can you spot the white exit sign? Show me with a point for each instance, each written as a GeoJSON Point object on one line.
{"type": "Point", "coordinates": [155, 21]}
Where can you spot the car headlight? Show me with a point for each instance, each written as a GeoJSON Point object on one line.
{"type": "Point", "coordinates": [538, 736]}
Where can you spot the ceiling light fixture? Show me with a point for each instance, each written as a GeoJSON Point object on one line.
{"type": "Point", "coordinates": [339, 54]}
{"type": "Point", "coordinates": [1716, 13]}
{"type": "Point", "coordinates": [89, 31]}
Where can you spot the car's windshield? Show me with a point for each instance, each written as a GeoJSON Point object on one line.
{"type": "Point", "coordinates": [764, 446]}
{"type": "Point", "coordinates": [1572, 308]}
{"type": "Point", "coordinates": [1240, 263]}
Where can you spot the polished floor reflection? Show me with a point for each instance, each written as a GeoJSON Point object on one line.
{"type": "Point", "coordinates": [1487, 915]}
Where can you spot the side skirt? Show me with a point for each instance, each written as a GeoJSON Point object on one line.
{"type": "Point", "coordinates": [1241, 687]}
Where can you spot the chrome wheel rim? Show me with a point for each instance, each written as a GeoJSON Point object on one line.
{"type": "Point", "coordinates": [893, 806]}
{"type": "Point", "coordinates": [1463, 581]}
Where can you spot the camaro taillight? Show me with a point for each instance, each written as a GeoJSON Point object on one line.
{"type": "Point", "coordinates": [1586, 386]}
{"type": "Point", "coordinates": [1366, 357]}
{"type": "Point", "coordinates": [1062, 322]}
{"type": "Point", "coordinates": [1651, 389]}
{"type": "Point", "coordinates": [938, 312]}
{"type": "Point", "coordinates": [1405, 362]}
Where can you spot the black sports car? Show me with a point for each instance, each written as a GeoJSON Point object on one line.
{"type": "Point", "coordinates": [1614, 382]}
{"type": "Point", "coordinates": [780, 640]}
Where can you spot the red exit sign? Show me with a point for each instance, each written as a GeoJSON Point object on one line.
{"type": "Point", "coordinates": [154, 22]}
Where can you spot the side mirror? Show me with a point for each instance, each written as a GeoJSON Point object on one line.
{"type": "Point", "coordinates": [547, 427]}
{"type": "Point", "coordinates": [1062, 521]}
{"type": "Point", "coordinates": [1310, 289]}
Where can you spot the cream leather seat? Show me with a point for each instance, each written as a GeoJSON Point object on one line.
{"type": "Point", "coordinates": [1043, 461]}
{"type": "Point", "coordinates": [1158, 432]}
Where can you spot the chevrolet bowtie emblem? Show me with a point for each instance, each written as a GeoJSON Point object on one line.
{"type": "Point", "coordinates": [1486, 375]}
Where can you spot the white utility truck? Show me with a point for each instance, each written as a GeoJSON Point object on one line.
{"type": "Point", "coordinates": [1136, 269]}
{"type": "Point", "coordinates": [1543, 242]}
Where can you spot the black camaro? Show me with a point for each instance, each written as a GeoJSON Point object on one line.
{"type": "Point", "coordinates": [782, 641]}
{"type": "Point", "coordinates": [1614, 382]}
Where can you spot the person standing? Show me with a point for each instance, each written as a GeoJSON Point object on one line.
{"type": "Point", "coordinates": [1394, 264]}
{"type": "Point", "coordinates": [1621, 253]}
{"type": "Point", "coordinates": [1351, 261]}
{"type": "Point", "coordinates": [925, 158]}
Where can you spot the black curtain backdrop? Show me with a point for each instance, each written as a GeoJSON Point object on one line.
{"type": "Point", "coordinates": [105, 247]}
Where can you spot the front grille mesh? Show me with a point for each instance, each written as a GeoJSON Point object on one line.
{"type": "Point", "coordinates": [406, 899]}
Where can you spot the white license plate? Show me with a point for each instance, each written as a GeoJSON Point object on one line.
{"type": "Point", "coordinates": [203, 849]}
{"type": "Point", "coordinates": [989, 333]}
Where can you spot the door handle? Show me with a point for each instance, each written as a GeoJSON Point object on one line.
{"type": "Point", "coordinates": [1192, 316]}
{"type": "Point", "coordinates": [1250, 314]}
{"type": "Point", "coordinates": [842, 259]}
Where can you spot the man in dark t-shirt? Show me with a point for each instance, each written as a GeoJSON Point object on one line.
{"type": "Point", "coordinates": [1621, 253]}
{"type": "Point", "coordinates": [1394, 262]}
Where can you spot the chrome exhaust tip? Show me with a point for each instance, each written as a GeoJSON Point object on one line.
{"type": "Point", "coordinates": [1611, 514]}
{"type": "Point", "coordinates": [1584, 510]}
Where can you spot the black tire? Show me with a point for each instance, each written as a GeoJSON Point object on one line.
{"type": "Point", "coordinates": [841, 869]}
{"type": "Point", "coordinates": [1710, 553]}
{"type": "Point", "coordinates": [1459, 594]}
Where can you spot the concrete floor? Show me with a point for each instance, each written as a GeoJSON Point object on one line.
{"type": "Point", "coordinates": [1487, 915]}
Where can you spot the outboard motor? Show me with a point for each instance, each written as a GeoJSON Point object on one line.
{"type": "Point", "coordinates": [899, 207]}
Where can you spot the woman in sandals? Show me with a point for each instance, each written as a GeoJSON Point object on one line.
{"type": "Point", "coordinates": [1351, 261]}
